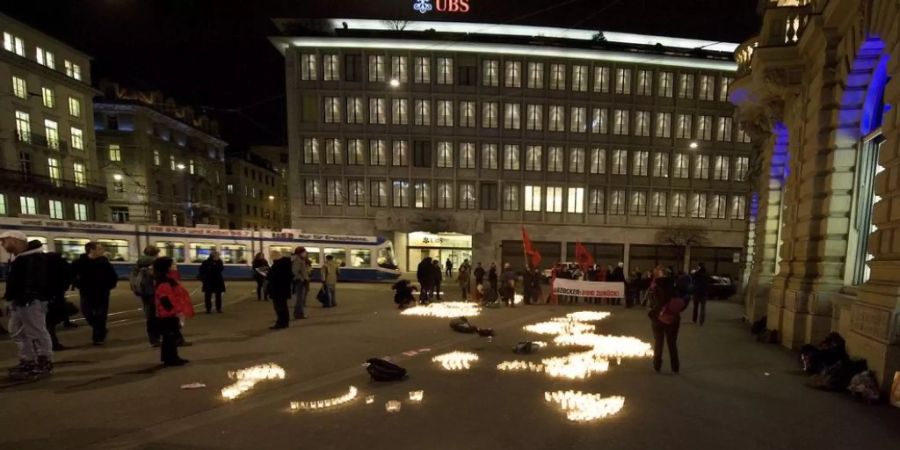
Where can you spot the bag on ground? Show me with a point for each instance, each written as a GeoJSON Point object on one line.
{"type": "Point", "coordinates": [864, 385]}
{"type": "Point", "coordinates": [462, 325]}
{"type": "Point", "coordinates": [322, 296]}
{"type": "Point", "coordinates": [381, 370]}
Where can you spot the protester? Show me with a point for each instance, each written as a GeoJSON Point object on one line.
{"type": "Point", "coordinates": [479, 274]}
{"type": "Point", "coordinates": [508, 290]}
{"type": "Point", "coordinates": [260, 268]}
{"type": "Point", "coordinates": [28, 291]}
{"type": "Point", "coordinates": [492, 277]}
{"type": "Point", "coordinates": [645, 286]}
{"type": "Point", "coordinates": [633, 288]}
{"type": "Point", "coordinates": [330, 272]}
{"type": "Point", "coordinates": [448, 266]}
{"type": "Point", "coordinates": [280, 281]}
{"type": "Point", "coordinates": [438, 279]}
{"type": "Point", "coordinates": [213, 282]}
{"type": "Point", "coordinates": [403, 294]}
{"type": "Point", "coordinates": [665, 319]}
{"type": "Point", "coordinates": [173, 306]}
{"type": "Point", "coordinates": [465, 265]}
{"type": "Point", "coordinates": [95, 277]}
{"type": "Point", "coordinates": [425, 276]}
{"type": "Point", "coordinates": [143, 285]}
{"type": "Point", "coordinates": [700, 283]}
{"type": "Point", "coordinates": [617, 276]}
{"type": "Point", "coordinates": [301, 267]}
{"type": "Point", "coordinates": [464, 280]}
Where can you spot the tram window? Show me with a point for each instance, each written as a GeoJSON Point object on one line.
{"type": "Point", "coordinates": [116, 250]}
{"type": "Point", "coordinates": [386, 258]}
{"type": "Point", "coordinates": [361, 258]}
{"type": "Point", "coordinates": [199, 252]}
{"type": "Point", "coordinates": [70, 248]}
{"type": "Point", "coordinates": [40, 239]}
{"type": "Point", "coordinates": [314, 255]}
{"type": "Point", "coordinates": [174, 250]}
{"type": "Point", "coordinates": [340, 255]}
{"type": "Point", "coordinates": [285, 250]}
{"type": "Point", "coordinates": [234, 254]}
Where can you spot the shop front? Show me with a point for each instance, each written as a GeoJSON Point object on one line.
{"type": "Point", "coordinates": [439, 246]}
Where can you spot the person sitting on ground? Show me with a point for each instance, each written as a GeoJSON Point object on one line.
{"type": "Point", "coordinates": [173, 306]}
{"type": "Point", "coordinates": [403, 294]}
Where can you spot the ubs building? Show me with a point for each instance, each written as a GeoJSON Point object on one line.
{"type": "Point", "coordinates": [448, 137]}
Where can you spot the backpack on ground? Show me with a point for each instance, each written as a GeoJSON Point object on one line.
{"type": "Point", "coordinates": [141, 282]}
{"type": "Point", "coordinates": [381, 370]}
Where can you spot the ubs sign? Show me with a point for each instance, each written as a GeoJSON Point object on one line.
{"type": "Point", "coordinates": [455, 6]}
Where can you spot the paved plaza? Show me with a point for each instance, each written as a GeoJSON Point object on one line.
{"type": "Point", "coordinates": [732, 392]}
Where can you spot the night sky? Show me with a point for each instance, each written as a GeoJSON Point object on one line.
{"type": "Point", "coordinates": [215, 55]}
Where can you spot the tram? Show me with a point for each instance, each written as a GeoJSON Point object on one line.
{"type": "Point", "coordinates": [361, 258]}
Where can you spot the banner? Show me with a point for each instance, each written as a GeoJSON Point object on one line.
{"type": "Point", "coordinates": [594, 289]}
{"type": "Point", "coordinates": [532, 255]}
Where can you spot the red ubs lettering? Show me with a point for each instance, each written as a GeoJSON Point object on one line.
{"type": "Point", "coordinates": [452, 5]}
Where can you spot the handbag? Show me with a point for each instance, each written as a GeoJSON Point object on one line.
{"type": "Point", "coordinates": [671, 312]}
{"type": "Point", "coordinates": [322, 296]}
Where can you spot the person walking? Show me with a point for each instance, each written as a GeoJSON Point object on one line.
{"type": "Point", "coordinates": [95, 277]}
{"type": "Point", "coordinates": [665, 319]}
{"type": "Point", "coordinates": [438, 279]}
{"type": "Point", "coordinates": [479, 274]}
{"type": "Point", "coordinates": [280, 280]}
{"type": "Point", "coordinates": [260, 268]}
{"type": "Point", "coordinates": [448, 266]}
{"type": "Point", "coordinates": [464, 280]}
{"type": "Point", "coordinates": [492, 277]}
{"type": "Point", "coordinates": [173, 306]}
{"type": "Point", "coordinates": [143, 285]}
{"type": "Point", "coordinates": [213, 282]}
{"type": "Point", "coordinates": [700, 282]}
{"type": "Point", "coordinates": [28, 292]}
{"type": "Point", "coordinates": [330, 271]}
{"type": "Point", "coordinates": [425, 276]}
{"type": "Point", "coordinates": [300, 266]}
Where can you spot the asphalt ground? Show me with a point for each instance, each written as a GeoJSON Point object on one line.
{"type": "Point", "coordinates": [732, 392]}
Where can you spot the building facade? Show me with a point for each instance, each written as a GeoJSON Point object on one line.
{"type": "Point", "coordinates": [820, 88]}
{"type": "Point", "coordinates": [161, 163]}
{"type": "Point", "coordinates": [48, 160]}
{"type": "Point", "coordinates": [255, 193]}
{"type": "Point", "coordinates": [447, 138]}
{"type": "Point", "coordinates": [277, 156]}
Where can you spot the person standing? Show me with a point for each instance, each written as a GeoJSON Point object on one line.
{"type": "Point", "coordinates": [260, 269]}
{"type": "Point", "coordinates": [449, 267]}
{"type": "Point", "coordinates": [213, 282]}
{"type": "Point", "coordinates": [143, 285]}
{"type": "Point", "coordinates": [464, 280]}
{"type": "Point", "coordinates": [508, 290]}
{"type": "Point", "coordinates": [330, 271]}
{"type": "Point", "coordinates": [492, 277]}
{"type": "Point", "coordinates": [425, 276]}
{"type": "Point", "coordinates": [700, 292]}
{"type": "Point", "coordinates": [438, 279]}
{"type": "Point", "coordinates": [28, 293]}
{"type": "Point", "coordinates": [618, 275]}
{"type": "Point", "coordinates": [281, 278]}
{"type": "Point", "coordinates": [479, 274]}
{"type": "Point", "coordinates": [300, 267]}
{"type": "Point", "coordinates": [173, 306]}
{"type": "Point", "coordinates": [465, 265]}
{"type": "Point", "coordinates": [95, 277]}
{"type": "Point", "coordinates": [665, 319]}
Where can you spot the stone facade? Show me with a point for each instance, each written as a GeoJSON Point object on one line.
{"type": "Point", "coordinates": [813, 89]}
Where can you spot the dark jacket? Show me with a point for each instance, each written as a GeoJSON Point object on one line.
{"type": "Point", "coordinates": [211, 275]}
{"type": "Point", "coordinates": [701, 282]}
{"type": "Point", "coordinates": [260, 266]}
{"type": "Point", "coordinates": [479, 275]}
{"type": "Point", "coordinates": [281, 278]}
{"type": "Point", "coordinates": [28, 278]}
{"type": "Point", "coordinates": [403, 292]}
{"type": "Point", "coordinates": [425, 273]}
{"type": "Point", "coordinates": [662, 293]}
{"type": "Point", "coordinates": [492, 276]}
{"type": "Point", "coordinates": [617, 275]}
{"type": "Point", "coordinates": [94, 275]}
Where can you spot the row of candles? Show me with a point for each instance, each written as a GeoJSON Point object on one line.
{"type": "Point", "coordinates": [352, 394]}
{"type": "Point", "coordinates": [582, 407]}
{"type": "Point", "coordinates": [445, 310]}
{"type": "Point", "coordinates": [246, 379]}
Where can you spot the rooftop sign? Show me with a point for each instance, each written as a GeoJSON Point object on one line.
{"type": "Point", "coordinates": [455, 6]}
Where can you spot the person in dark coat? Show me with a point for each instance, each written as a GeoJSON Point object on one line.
{"type": "Point", "coordinates": [403, 294]}
{"type": "Point", "coordinates": [281, 279]}
{"type": "Point", "coordinates": [95, 277]}
{"type": "Point", "coordinates": [438, 279]}
{"type": "Point", "coordinates": [617, 275]}
{"type": "Point", "coordinates": [213, 282]}
{"type": "Point", "coordinates": [260, 268]}
{"type": "Point", "coordinates": [449, 267]}
{"type": "Point", "coordinates": [479, 274]}
{"type": "Point", "coordinates": [493, 278]}
{"type": "Point", "coordinates": [700, 290]}
{"type": "Point", "coordinates": [663, 292]}
{"type": "Point", "coordinates": [425, 276]}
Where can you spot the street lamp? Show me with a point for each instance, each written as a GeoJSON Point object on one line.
{"type": "Point", "coordinates": [394, 82]}
{"type": "Point", "coordinates": [271, 197]}
{"type": "Point", "coordinates": [117, 177]}
{"type": "Point", "coordinates": [180, 166]}
{"type": "Point", "coordinates": [693, 145]}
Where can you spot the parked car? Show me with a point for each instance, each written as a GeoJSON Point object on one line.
{"type": "Point", "coordinates": [721, 287]}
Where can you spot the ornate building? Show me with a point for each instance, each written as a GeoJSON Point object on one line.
{"type": "Point", "coordinates": [819, 90]}
{"type": "Point", "coordinates": [448, 137]}
{"type": "Point", "coordinates": [256, 192]}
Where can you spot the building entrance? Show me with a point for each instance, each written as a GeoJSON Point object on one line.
{"type": "Point", "coordinates": [442, 246]}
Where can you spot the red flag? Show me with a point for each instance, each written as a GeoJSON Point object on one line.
{"type": "Point", "coordinates": [531, 253]}
{"type": "Point", "coordinates": [583, 257]}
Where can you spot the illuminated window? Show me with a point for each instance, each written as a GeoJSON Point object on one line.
{"type": "Point", "coordinates": [661, 165]}
{"type": "Point", "coordinates": [51, 129]}
{"type": "Point", "coordinates": [658, 204]}
{"type": "Point", "coordinates": [557, 118]}
{"type": "Point", "coordinates": [512, 116]}
{"type": "Point", "coordinates": [717, 206]}
{"type": "Point", "coordinates": [513, 77]}
{"type": "Point", "coordinates": [576, 160]}
{"type": "Point", "coordinates": [331, 68]}
{"type": "Point", "coordinates": [48, 97]}
{"type": "Point", "coordinates": [720, 168]}
{"type": "Point", "coordinates": [724, 129]}
{"type": "Point", "coordinates": [313, 192]}
{"type": "Point", "coordinates": [663, 124]}
{"type": "Point", "coordinates": [620, 122]}
{"type": "Point", "coordinates": [701, 167]}
{"type": "Point", "coordinates": [398, 68]}
{"type": "Point", "coordinates": [445, 154]}
{"type": "Point", "coordinates": [422, 194]}
{"type": "Point", "coordinates": [680, 167]}
{"type": "Point", "coordinates": [536, 75]}
{"type": "Point", "coordinates": [666, 83]}
{"type": "Point", "coordinates": [377, 152]}
{"type": "Point", "coordinates": [80, 211]}
{"type": "Point", "coordinates": [698, 205]}
{"type": "Point", "coordinates": [376, 68]}
{"type": "Point", "coordinates": [533, 158]}
{"type": "Point", "coordinates": [639, 166]}
{"type": "Point", "coordinates": [379, 193]}
{"type": "Point", "coordinates": [489, 156]}
{"type": "Point", "coordinates": [554, 159]}
{"type": "Point", "coordinates": [642, 123]}
{"type": "Point", "coordinates": [466, 196]}
{"type": "Point", "coordinates": [741, 168]}
{"type": "Point", "coordinates": [56, 209]}
{"type": "Point", "coordinates": [579, 120]}
{"type": "Point", "coordinates": [400, 111]}
{"type": "Point", "coordinates": [399, 153]}
{"type": "Point", "coordinates": [156, 158]}
{"type": "Point", "coordinates": [27, 205]}
{"type": "Point", "coordinates": [683, 126]}
{"type": "Point", "coordinates": [489, 115]}
{"type": "Point", "coordinates": [707, 87]}
{"type": "Point", "coordinates": [598, 161]}
{"type": "Point", "coordinates": [600, 121]}
{"type": "Point", "coordinates": [724, 85]}
{"type": "Point", "coordinates": [355, 152]}
{"type": "Point", "coordinates": [13, 44]}
{"type": "Point", "coordinates": [377, 111]}
{"type": "Point", "coordinates": [738, 207]}
{"type": "Point", "coordinates": [575, 203]}
{"type": "Point", "coordinates": [53, 171]}
{"type": "Point", "coordinates": [445, 71]}
{"type": "Point", "coordinates": [422, 112]}
{"type": "Point", "coordinates": [704, 127]}
{"type": "Point", "coordinates": [333, 151]}
{"type": "Point", "coordinates": [601, 79]}
{"type": "Point", "coordinates": [511, 157]}
{"type": "Point", "coordinates": [644, 82]}
{"type": "Point", "coordinates": [580, 78]}
{"type": "Point", "coordinates": [115, 152]}
{"type": "Point", "coordinates": [308, 67]}
{"type": "Point", "coordinates": [686, 85]}
{"type": "Point", "coordinates": [558, 76]}
{"type": "Point", "coordinates": [332, 109]}
{"type": "Point", "coordinates": [535, 117]}
{"type": "Point", "coordinates": [638, 203]}
{"type": "Point", "coordinates": [334, 192]}
{"type": "Point", "coordinates": [3, 208]}
{"type": "Point", "coordinates": [73, 70]}
{"type": "Point", "coordinates": [532, 198]}
{"type": "Point", "coordinates": [445, 113]}
{"type": "Point", "coordinates": [679, 204]}
{"type": "Point", "coordinates": [620, 162]}
{"type": "Point", "coordinates": [466, 155]}
{"type": "Point", "coordinates": [467, 114]}
{"type": "Point", "coordinates": [617, 202]}
{"type": "Point", "coordinates": [445, 195]}
{"type": "Point", "coordinates": [623, 81]}
{"type": "Point", "coordinates": [80, 174]}
{"type": "Point", "coordinates": [23, 126]}
{"type": "Point", "coordinates": [510, 197]}
{"type": "Point", "coordinates": [491, 72]}
{"type": "Point", "coordinates": [20, 88]}
{"type": "Point", "coordinates": [354, 110]}
{"type": "Point", "coordinates": [596, 201]}
{"type": "Point", "coordinates": [310, 151]}
{"type": "Point", "coordinates": [554, 199]}
{"type": "Point", "coordinates": [743, 136]}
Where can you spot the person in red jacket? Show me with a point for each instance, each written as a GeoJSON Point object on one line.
{"type": "Point", "coordinates": [173, 305]}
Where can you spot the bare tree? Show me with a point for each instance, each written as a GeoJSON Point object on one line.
{"type": "Point", "coordinates": [681, 237]}
{"type": "Point", "coordinates": [396, 25]}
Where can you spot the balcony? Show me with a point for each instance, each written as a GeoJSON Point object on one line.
{"type": "Point", "coordinates": [39, 140]}
{"type": "Point", "coordinates": [783, 24]}
{"type": "Point", "coordinates": [29, 182]}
